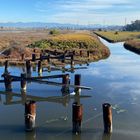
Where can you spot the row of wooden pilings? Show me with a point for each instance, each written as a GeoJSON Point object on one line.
{"type": "Point", "coordinates": [77, 107]}
{"type": "Point", "coordinates": [77, 115]}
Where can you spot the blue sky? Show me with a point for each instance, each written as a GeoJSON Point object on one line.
{"type": "Point", "coordinates": [70, 11]}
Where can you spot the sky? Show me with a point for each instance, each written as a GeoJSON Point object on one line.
{"type": "Point", "coordinates": [105, 12]}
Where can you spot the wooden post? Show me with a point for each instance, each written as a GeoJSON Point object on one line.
{"type": "Point", "coordinates": [6, 66]}
{"type": "Point", "coordinates": [65, 82]}
{"type": "Point", "coordinates": [63, 58]}
{"type": "Point", "coordinates": [30, 115]}
{"type": "Point", "coordinates": [39, 67]}
{"type": "Point", "coordinates": [81, 53]}
{"type": "Point", "coordinates": [22, 56]}
{"type": "Point", "coordinates": [41, 57]}
{"type": "Point", "coordinates": [33, 57]}
{"type": "Point", "coordinates": [88, 54]}
{"type": "Point", "coordinates": [77, 112]}
{"type": "Point", "coordinates": [48, 59]}
{"type": "Point", "coordinates": [28, 66]}
{"type": "Point", "coordinates": [107, 117]}
{"type": "Point", "coordinates": [34, 50]}
{"type": "Point", "coordinates": [7, 81]}
{"type": "Point", "coordinates": [77, 83]}
{"type": "Point", "coordinates": [23, 82]}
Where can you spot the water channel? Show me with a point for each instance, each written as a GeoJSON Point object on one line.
{"type": "Point", "coordinates": [114, 80]}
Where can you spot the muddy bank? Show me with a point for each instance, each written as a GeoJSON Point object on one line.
{"type": "Point", "coordinates": [133, 45]}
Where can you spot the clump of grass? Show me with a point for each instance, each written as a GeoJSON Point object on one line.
{"type": "Point", "coordinates": [54, 32]}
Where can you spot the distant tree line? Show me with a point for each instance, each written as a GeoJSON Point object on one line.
{"type": "Point", "coordinates": [134, 26]}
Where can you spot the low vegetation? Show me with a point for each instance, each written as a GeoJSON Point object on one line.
{"type": "Point", "coordinates": [74, 41]}
{"type": "Point", "coordinates": [117, 36]}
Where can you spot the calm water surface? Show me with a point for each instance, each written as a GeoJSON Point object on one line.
{"type": "Point", "coordinates": [115, 80]}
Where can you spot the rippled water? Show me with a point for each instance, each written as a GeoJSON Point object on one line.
{"type": "Point", "coordinates": [115, 80]}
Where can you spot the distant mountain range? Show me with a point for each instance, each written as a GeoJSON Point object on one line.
{"type": "Point", "coordinates": [55, 25]}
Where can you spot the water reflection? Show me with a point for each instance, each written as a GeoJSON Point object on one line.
{"type": "Point", "coordinates": [30, 135]}
{"type": "Point", "coordinates": [106, 136]}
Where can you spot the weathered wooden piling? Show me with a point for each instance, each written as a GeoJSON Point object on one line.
{"type": "Point", "coordinates": [63, 58]}
{"type": "Point", "coordinates": [77, 83]}
{"type": "Point", "coordinates": [72, 61]}
{"type": "Point", "coordinates": [48, 58]}
{"type": "Point", "coordinates": [81, 53]}
{"type": "Point", "coordinates": [39, 67]}
{"type": "Point", "coordinates": [107, 117]}
{"type": "Point", "coordinates": [6, 66]}
{"type": "Point", "coordinates": [28, 66]}
{"type": "Point", "coordinates": [22, 56]}
{"type": "Point", "coordinates": [65, 82]}
{"type": "Point", "coordinates": [33, 57]}
{"type": "Point", "coordinates": [23, 82]}
{"type": "Point", "coordinates": [77, 113]}
{"type": "Point", "coordinates": [41, 57]}
{"type": "Point", "coordinates": [7, 81]}
{"type": "Point", "coordinates": [30, 115]}
{"type": "Point", "coordinates": [88, 54]}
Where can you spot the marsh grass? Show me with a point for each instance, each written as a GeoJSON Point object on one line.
{"type": "Point", "coordinates": [114, 36]}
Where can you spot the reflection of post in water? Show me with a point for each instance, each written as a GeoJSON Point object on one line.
{"type": "Point", "coordinates": [106, 136]}
{"type": "Point", "coordinates": [34, 67]}
{"type": "Point", "coordinates": [30, 115]}
{"type": "Point", "coordinates": [23, 82]}
{"type": "Point", "coordinates": [7, 81]}
{"type": "Point", "coordinates": [28, 66]}
{"type": "Point", "coordinates": [65, 81]}
{"type": "Point", "coordinates": [30, 136]}
{"type": "Point", "coordinates": [77, 83]}
{"type": "Point", "coordinates": [65, 89]}
{"type": "Point", "coordinates": [23, 97]}
{"type": "Point", "coordinates": [40, 67]}
{"type": "Point", "coordinates": [8, 97]}
{"type": "Point", "coordinates": [76, 137]}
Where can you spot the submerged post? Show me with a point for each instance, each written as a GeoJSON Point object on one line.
{"type": "Point", "coordinates": [65, 82]}
{"type": "Point", "coordinates": [28, 66]}
{"type": "Point", "coordinates": [6, 66]}
{"type": "Point", "coordinates": [23, 82]}
{"type": "Point", "coordinates": [77, 83]}
{"type": "Point", "coordinates": [107, 117]}
{"type": "Point", "coordinates": [30, 115]}
{"type": "Point", "coordinates": [33, 57]}
{"type": "Point", "coordinates": [77, 113]}
{"type": "Point", "coordinates": [39, 67]}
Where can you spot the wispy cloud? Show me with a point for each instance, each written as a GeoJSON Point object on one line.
{"type": "Point", "coordinates": [91, 10]}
